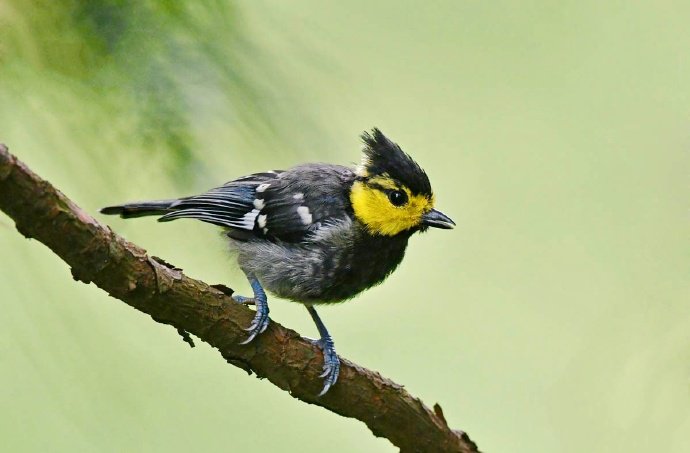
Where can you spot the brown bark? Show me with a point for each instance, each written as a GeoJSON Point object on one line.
{"type": "Point", "coordinates": [96, 254]}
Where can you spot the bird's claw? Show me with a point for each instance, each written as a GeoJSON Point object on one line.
{"type": "Point", "coordinates": [259, 324]}
{"type": "Point", "coordinates": [331, 363]}
{"type": "Point", "coordinates": [260, 321]}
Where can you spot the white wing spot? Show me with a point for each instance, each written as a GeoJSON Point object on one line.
{"type": "Point", "coordinates": [262, 187]}
{"type": "Point", "coordinates": [298, 196]}
{"type": "Point", "coordinates": [265, 230]}
{"type": "Point", "coordinates": [304, 214]}
{"type": "Point", "coordinates": [249, 218]}
{"type": "Point", "coordinates": [262, 221]}
{"type": "Point", "coordinates": [259, 204]}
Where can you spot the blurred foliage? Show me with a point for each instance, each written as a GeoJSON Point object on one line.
{"type": "Point", "coordinates": [145, 60]}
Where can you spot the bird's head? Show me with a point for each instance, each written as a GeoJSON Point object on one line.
{"type": "Point", "coordinates": [392, 193]}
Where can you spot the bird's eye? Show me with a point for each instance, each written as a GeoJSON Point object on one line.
{"type": "Point", "coordinates": [397, 197]}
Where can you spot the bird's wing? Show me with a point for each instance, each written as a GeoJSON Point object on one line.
{"type": "Point", "coordinates": [231, 205]}
{"type": "Point", "coordinates": [280, 205]}
{"type": "Point", "coordinates": [301, 201]}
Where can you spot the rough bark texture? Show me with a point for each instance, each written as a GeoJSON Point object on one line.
{"type": "Point", "coordinates": [96, 254]}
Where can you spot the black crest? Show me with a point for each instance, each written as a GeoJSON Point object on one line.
{"type": "Point", "coordinates": [382, 156]}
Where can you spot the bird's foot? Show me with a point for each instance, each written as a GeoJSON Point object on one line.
{"type": "Point", "coordinates": [260, 322]}
{"type": "Point", "coordinates": [331, 362]}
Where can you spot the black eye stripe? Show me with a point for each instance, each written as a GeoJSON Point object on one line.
{"type": "Point", "coordinates": [373, 185]}
{"type": "Point", "coordinates": [388, 190]}
{"type": "Point", "coordinates": [397, 196]}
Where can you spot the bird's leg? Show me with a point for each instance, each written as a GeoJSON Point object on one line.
{"type": "Point", "coordinates": [260, 322]}
{"type": "Point", "coordinates": [331, 362]}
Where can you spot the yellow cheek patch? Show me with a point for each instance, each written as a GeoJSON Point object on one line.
{"type": "Point", "coordinates": [373, 208]}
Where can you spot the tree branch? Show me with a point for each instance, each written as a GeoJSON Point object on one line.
{"type": "Point", "coordinates": [96, 254]}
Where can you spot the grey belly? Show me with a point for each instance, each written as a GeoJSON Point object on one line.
{"type": "Point", "coordinates": [309, 274]}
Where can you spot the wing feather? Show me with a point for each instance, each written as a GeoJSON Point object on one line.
{"type": "Point", "coordinates": [285, 206]}
{"type": "Point", "coordinates": [230, 205]}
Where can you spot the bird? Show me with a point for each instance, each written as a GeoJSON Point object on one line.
{"type": "Point", "coordinates": [316, 233]}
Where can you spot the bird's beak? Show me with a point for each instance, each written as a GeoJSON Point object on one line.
{"type": "Point", "coordinates": [437, 219]}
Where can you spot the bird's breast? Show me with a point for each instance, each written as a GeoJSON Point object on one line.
{"type": "Point", "coordinates": [332, 269]}
{"type": "Point", "coordinates": [367, 263]}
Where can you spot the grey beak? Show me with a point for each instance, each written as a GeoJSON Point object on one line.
{"type": "Point", "coordinates": [437, 219]}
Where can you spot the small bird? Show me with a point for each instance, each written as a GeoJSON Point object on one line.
{"type": "Point", "coordinates": [316, 233]}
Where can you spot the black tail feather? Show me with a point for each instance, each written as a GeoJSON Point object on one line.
{"type": "Point", "coordinates": [231, 205]}
{"type": "Point", "coordinates": [144, 208]}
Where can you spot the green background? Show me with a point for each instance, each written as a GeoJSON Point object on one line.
{"type": "Point", "coordinates": [554, 318]}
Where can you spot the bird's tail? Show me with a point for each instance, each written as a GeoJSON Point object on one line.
{"type": "Point", "coordinates": [141, 209]}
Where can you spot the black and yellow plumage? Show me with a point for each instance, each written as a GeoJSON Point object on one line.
{"type": "Point", "coordinates": [316, 233]}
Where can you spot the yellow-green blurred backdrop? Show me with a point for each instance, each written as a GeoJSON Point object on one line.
{"type": "Point", "coordinates": [554, 318]}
